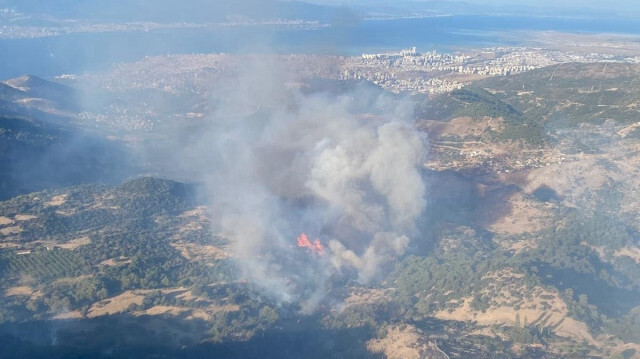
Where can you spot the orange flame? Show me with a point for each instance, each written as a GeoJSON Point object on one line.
{"type": "Point", "coordinates": [303, 242]}
{"type": "Point", "coordinates": [318, 247]}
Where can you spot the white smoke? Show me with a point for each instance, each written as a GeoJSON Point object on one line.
{"type": "Point", "coordinates": [344, 169]}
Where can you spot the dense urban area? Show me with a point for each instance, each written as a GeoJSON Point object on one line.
{"type": "Point", "coordinates": [433, 72]}
{"type": "Point", "coordinates": [406, 71]}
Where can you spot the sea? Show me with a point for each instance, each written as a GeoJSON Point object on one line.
{"type": "Point", "coordinates": [78, 53]}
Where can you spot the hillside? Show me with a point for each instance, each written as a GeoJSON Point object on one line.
{"type": "Point", "coordinates": [549, 175]}
{"type": "Point", "coordinates": [45, 145]}
{"type": "Point", "coordinates": [35, 155]}
{"type": "Point", "coordinates": [34, 95]}
{"type": "Point", "coordinates": [134, 258]}
{"type": "Point", "coordinates": [141, 256]}
{"type": "Point", "coordinates": [572, 94]}
{"type": "Point", "coordinates": [528, 247]}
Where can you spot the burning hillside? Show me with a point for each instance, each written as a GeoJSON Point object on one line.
{"type": "Point", "coordinates": [345, 167]}
{"type": "Point", "coordinates": [315, 247]}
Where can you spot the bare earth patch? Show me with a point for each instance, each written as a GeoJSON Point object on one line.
{"type": "Point", "coordinates": [365, 296]}
{"type": "Point", "coordinates": [5, 221]}
{"type": "Point", "coordinates": [517, 246]}
{"type": "Point", "coordinates": [405, 342]}
{"type": "Point", "coordinates": [600, 250]}
{"type": "Point", "coordinates": [19, 291]}
{"type": "Point", "coordinates": [632, 252]}
{"type": "Point", "coordinates": [164, 309]}
{"type": "Point", "coordinates": [69, 315]}
{"type": "Point", "coordinates": [190, 297]}
{"type": "Point", "coordinates": [7, 231]}
{"type": "Point", "coordinates": [205, 313]}
{"type": "Point", "coordinates": [102, 202]}
{"type": "Point", "coordinates": [630, 346]}
{"type": "Point", "coordinates": [57, 201]}
{"type": "Point", "coordinates": [114, 262]}
{"type": "Point", "coordinates": [25, 217]}
{"type": "Point", "coordinates": [537, 305]}
{"type": "Point", "coordinates": [199, 212]}
{"type": "Point", "coordinates": [43, 243]}
{"type": "Point", "coordinates": [199, 314]}
{"type": "Point", "coordinates": [572, 179]}
{"type": "Point", "coordinates": [526, 216]}
{"type": "Point", "coordinates": [488, 332]}
{"type": "Point", "coordinates": [72, 280]}
{"type": "Point", "coordinates": [198, 252]}
{"type": "Point", "coordinates": [116, 304]}
{"type": "Point", "coordinates": [625, 131]}
{"type": "Point", "coordinates": [462, 126]}
{"type": "Point", "coordinates": [464, 142]}
{"type": "Point", "coordinates": [66, 213]}
{"type": "Point", "coordinates": [9, 245]}
{"type": "Point", "coordinates": [195, 220]}
{"type": "Point", "coordinates": [75, 243]}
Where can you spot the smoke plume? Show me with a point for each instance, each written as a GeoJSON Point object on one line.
{"type": "Point", "coordinates": [278, 162]}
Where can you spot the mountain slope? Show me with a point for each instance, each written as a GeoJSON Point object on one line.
{"type": "Point", "coordinates": [37, 155]}
{"type": "Point", "coordinates": [64, 97]}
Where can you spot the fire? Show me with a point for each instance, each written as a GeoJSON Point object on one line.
{"type": "Point", "coordinates": [318, 247]}
{"type": "Point", "coordinates": [303, 241]}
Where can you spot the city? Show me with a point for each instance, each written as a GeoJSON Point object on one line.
{"type": "Point", "coordinates": [408, 71]}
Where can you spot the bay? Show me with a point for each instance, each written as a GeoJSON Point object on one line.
{"type": "Point", "coordinates": [81, 52]}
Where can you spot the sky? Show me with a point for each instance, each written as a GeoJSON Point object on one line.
{"type": "Point", "coordinates": [616, 5]}
{"type": "Point", "coordinates": [613, 5]}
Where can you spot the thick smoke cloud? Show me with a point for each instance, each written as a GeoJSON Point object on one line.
{"type": "Point", "coordinates": [278, 162]}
